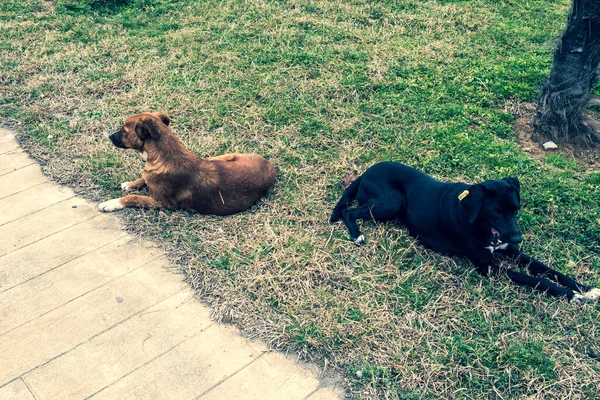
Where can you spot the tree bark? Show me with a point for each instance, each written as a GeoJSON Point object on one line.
{"type": "Point", "coordinates": [561, 112]}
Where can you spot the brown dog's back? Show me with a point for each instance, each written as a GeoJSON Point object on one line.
{"type": "Point", "coordinates": [242, 181]}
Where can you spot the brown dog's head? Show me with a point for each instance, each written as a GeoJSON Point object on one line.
{"type": "Point", "coordinates": [139, 128]}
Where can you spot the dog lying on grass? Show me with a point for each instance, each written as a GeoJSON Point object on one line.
{"type": "Point", "coordinates": [179, 179]}
{"type": "Point", "coordinates": [474, 221]}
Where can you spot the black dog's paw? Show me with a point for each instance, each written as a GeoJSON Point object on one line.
{"type": "Point", "coordinates": [359, 241]}
{"type": "Point", "coordinates": [578, 298]}
{"type": "Point", "coordinates": [593, 294]}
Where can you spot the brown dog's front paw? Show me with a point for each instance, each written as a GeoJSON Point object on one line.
{"type": "Point", "coordinates": [110, 205]}
{"type": "Point", "coordinates": [127, 187]}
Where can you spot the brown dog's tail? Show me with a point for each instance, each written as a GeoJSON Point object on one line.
{"type": "Point", "coordinates": [346, 199]}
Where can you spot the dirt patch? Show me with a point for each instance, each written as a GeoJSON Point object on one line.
{"type": "Point", "coordinates": [349, 178]}
{"type": "Point", "coordinates": [524, 113]}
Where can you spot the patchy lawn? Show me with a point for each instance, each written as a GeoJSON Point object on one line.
{"type": "Point", "coordinates": [326, 88]}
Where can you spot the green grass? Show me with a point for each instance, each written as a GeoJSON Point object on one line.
{"type": "Point", "coordinates": [324, 88]}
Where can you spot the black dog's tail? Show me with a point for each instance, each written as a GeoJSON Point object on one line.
{"type": "Point", "coordinates": [346, 199]}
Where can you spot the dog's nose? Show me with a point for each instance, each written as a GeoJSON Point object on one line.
{"type": "Point", "coordinates": [115, 138]}
{"type": "Point", "coordinates": [515, 238]}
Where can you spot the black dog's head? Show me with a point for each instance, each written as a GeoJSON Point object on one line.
{"type": "Point", "coordinates": [492, 207]}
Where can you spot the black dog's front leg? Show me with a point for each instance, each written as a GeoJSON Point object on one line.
{"type": "Point", "coordinates": [485, 266]}
{"type": "Point", "coordinates": [537, 267]}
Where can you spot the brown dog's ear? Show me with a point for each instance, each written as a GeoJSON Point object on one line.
{"type": "Point", "coordinates": [470, 201]}
{"type": "Point", "coordinates": [163, 117]}
{"type": "Point", "coordinates": [149, 126]}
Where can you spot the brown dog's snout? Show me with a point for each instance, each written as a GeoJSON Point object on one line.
{"type": "Point", "coordinates": [117, 139]}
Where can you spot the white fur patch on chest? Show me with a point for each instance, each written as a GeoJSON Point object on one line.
{"type": "Point", "coordinates": [491, 249]}
{"type": "Point", "coordinates": [144, 155]}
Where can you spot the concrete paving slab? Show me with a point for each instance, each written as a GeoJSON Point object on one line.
{"type": "Point", "coordinates": [46, 254]}
{"type": "Point", "coordinates": [327, 393]}
{"type": "Point", "coordinates": [47, 292]}
{"type": "Point", "coordinates": [13, 160]}
{"type": "Point", "coordinates": [193, 367]}
{"type": "Point", "coordinates": [19, 233]}
{"type": "Point", "coordinates": [7, 145]}
{"type": "Point", "coordinates": [60, 330]}
{"type": "Point", "coordinates": [7, 141]}
{"type": "Point", "coordinates": [30, 200]}
{"type": "Point", "coordinates": [117, 352]}
{"type": "Point", "coordinates": [15, 390]}
{"type": "Point", "coordinates": [21, 179]}
{"type": "Point", "coordinates": [271, 377]}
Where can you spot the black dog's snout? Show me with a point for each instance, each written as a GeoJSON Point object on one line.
{"type": "Point", "coordinates": [515, 238]}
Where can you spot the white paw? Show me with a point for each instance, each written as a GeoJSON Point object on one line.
{"type": "Point", "coordinates": [110, 205]}
{"type": "Point", "coordinates": [125, 186]}
{"type": "Point", "coordinates": [578, 298]}
{"type": "Point", "coordinates": [359, 240]}
{"type": "Point", "coordinates": [593, 294]}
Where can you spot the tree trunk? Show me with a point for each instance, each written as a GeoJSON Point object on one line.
{"type": "Point", "coordinates": [561, 112]}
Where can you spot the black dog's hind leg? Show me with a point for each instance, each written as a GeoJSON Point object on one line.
{"type": "Point", "coordinates": [533, 282]}
{"type": "Point", "coordinates": [346, 199]}
{"type": "Point", "coordinates": [371, 210]}
{"type": "Point", "coordinates": [350, 215]}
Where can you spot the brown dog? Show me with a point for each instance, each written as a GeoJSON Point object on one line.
{"type": "Point", "coordinates": [179, 179]}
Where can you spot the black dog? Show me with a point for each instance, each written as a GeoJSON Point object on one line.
{"type": "Point", "coordinates": [455, 219]}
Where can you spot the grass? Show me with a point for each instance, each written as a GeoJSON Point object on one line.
{"type": "Point", "coordinates": [325, 88]}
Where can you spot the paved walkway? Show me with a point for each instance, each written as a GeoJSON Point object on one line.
{"type": "Point", "coordinates": [89, 311]}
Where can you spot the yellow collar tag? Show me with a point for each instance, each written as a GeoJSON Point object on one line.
{"type": "Point", "coordinates": [464, 194]}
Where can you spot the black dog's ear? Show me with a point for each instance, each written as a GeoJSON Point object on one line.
{"type": "Point", "coordinates": [470, 201]}
{"type": "Point", "coordinates": [149, 126]}
{"type": "Point", "coordinates": [514, 182]}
